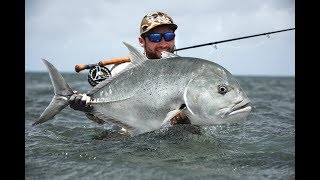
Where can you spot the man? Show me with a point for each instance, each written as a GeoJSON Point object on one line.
{"type": "Point", "coordinates": [156, 35]}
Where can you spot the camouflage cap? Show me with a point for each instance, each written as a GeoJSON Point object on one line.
{"type": "Point", "coordinates": [152, 20]}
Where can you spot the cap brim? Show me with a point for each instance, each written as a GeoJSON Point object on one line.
{"type": "Point", "coordinates": [173, 26]}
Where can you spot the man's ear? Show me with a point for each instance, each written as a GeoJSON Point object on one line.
{"type": "Point", "coordinates": [141, 41]}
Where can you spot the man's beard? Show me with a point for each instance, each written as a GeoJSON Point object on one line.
{"type": "Point", "coordinates": [153, 55]}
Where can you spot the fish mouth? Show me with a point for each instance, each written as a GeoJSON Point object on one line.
{"type": "Point", "coordinates": [243, 106]}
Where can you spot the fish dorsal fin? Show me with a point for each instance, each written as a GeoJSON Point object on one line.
{"type": "Point", "coordinates": [166, 54]}
{"type": "Point", "coordinates": [136, 57]}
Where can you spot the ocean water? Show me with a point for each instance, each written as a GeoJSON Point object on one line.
{"type": "Point", "coordinates": [72, 147]}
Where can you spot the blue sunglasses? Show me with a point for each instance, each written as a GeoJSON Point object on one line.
{"type": "Point", "coordinates": [156, 37]}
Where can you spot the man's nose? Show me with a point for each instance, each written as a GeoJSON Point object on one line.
{"type": "Point", "coordinates": [163, 43]}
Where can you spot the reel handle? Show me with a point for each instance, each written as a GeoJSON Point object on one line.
{"type": "Point", "coordinates": [81, 67]}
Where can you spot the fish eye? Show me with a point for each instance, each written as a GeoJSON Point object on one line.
{"type": "Point", "coordinates": [222, 89]}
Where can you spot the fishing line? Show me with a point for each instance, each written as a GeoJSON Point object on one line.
{"type": "Point", "coordinates": [261, 42]}
{"type": "Point", "coordinates": [234, 39]}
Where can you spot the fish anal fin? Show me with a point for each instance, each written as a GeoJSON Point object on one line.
{"type": "Point", "coordinates": [94, 118]}
{"type": "Point", "coordinates": [106, 118]}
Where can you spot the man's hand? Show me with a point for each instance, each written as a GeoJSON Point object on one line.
{"type": "Point", "coordinates": [180, 119]}
{"type": "Point", "coordinates": [80, 102]}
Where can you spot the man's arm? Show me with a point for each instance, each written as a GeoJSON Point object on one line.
{"type": "Point", "coordinates": [79, 102]}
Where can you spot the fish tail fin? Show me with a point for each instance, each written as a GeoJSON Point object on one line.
{"type": "Point", "coordinates": [62, 93]}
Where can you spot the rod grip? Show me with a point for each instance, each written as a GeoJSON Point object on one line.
{"type": "Point", "coordinates": [81, 67]}
{"type": "Point", "coordinates": [114, 61]}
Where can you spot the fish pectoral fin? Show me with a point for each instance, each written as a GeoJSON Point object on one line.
{"type": "Point", "coordinates": [170, 115]}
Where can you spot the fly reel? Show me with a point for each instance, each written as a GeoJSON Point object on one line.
{"type": "Point", "coordinates": [98, 74]}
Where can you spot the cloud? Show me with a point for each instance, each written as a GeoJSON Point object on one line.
{"type": "Point", "coordinates": [82, 31]}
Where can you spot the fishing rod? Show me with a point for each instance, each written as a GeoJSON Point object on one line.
{"type": "Point", "coordinates": [234, 39]}
{"type": "Point", "coordinates": [98, 72]}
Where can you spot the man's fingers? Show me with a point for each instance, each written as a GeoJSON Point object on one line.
{"type": "Point", "coordinates": [180, 119]}
{"type": "Point", "coordinates": [84, 96]}
{"type": "Point", "coordinates": [80, 102]}
{"type": "Point", "coordinates": [72, 98]}
{"type": "Point", "coordinates": [84, 99]}
{"type": "Point", "coordinates": [78, 99]}
{"type": "Point", "coordinates": [88, 100]}
{"type": "Point", "coordinates": [183, 116]}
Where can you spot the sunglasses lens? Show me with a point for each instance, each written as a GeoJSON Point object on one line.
{"type": "Point", "coordinates": [155, 37]}
{"type": "Point", "coordinates": [169, 36]}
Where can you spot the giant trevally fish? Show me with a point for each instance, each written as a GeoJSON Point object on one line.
{"type": "Point", "coordinates": [146, 95]}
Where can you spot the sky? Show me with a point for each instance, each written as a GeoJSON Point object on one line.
{"type": "Point", "coordinates": [74, 32]}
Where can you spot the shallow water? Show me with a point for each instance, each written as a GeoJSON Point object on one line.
{"type": "Point", "coordinates": [72, 147]}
